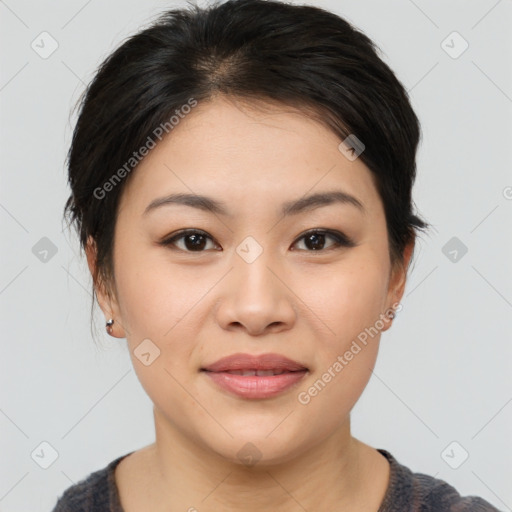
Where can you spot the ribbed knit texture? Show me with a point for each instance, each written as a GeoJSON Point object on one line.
{"type": "Point", "coordinates": [406, 492]}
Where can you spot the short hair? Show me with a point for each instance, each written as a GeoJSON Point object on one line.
{"type": "Point", "coordinates": [296, 56]}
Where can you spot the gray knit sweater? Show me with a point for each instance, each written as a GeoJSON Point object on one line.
{"type": "Point", "coordinates": [406, 492]}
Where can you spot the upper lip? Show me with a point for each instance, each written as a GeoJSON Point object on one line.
{"type": "Point", "coordinates": [252, 362]}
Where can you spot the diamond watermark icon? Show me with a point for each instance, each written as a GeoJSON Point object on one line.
{"type": "Point", "coordinates": [44, 455]}
{"type": "Point", "coordinates": [454, 455]}
{"type": "Point", "coordinates": [146, 352]}
{"type": "Point", "coordinates": [351, 147]}
{"type": "Point", "coordinates": [44, 250]}
{"type": "Point", "coordinates": [454, 249]}
{"type": "Point", "coordinates": [249, 454]}
{"type": "Point", "coordinates": [454, 45]}
{"type": "Point", "coordinates": [249, 250]}
{"type": "Point", "coordinates": [44, 45]}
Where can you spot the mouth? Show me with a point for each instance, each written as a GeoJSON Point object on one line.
{"type": "Point", "coordinates": [255, 377]}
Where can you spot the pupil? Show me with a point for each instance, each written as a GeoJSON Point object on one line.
{"type": "Point", "coordinates": [317, 240]}
{"type": "Point", "coordinates": [197, 241]}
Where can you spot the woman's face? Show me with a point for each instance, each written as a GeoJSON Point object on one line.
{"type": "Point", "coordinates": [251, 278]}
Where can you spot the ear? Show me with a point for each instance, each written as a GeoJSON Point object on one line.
{"type": "Point", "coordinates": [398, 279]}
{"type": "Point", "coordinates": [104, 294]}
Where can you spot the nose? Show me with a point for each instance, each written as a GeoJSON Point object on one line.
{"type": "Point", "coordinates": [255, 298]}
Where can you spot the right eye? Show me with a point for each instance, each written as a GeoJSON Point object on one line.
{"type": "Point", "coordinates": [193, 240]}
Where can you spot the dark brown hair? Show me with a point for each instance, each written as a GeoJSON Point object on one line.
{"type": "Point", "coordinates": [302, 57]}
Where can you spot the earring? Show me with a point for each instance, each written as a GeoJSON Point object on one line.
{"type": "Point", "coordinates": [109, 326]}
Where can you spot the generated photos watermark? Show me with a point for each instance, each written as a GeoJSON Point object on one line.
{"type": "Point", "coordinates": [304, 397]}
{"type": "Point", "coordinates": [137, 156]}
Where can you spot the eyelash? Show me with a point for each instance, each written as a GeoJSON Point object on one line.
{"type": "Point", "coordinates": [341, 240]}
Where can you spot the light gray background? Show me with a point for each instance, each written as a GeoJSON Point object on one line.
{"type": "Point", "coordinates": [444, 369]}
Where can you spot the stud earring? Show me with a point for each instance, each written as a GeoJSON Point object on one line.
{"type": "Point", "coordinates": [109, 326]}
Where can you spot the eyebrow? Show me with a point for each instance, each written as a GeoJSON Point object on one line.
{"type": "Point", "coordinates": [294, 207]}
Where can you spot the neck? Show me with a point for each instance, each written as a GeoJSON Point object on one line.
{"type": "Point", "coordinates": [336, 474]}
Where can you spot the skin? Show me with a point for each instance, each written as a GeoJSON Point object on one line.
{"type": "Point", "coordinates": [197, 307]}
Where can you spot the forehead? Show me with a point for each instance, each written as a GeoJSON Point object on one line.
{"type": "Point", "coordinates": [248, 152]}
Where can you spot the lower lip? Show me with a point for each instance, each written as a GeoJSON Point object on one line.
{"type": "Point", "coordinates": [253, 386]}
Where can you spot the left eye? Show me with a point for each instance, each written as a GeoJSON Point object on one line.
{"type": "Point", "coordinates": [315, 240]}
{"type": "Point", "coordinates": [196, 241]}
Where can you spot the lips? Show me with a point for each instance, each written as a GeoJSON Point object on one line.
{"type": "Point", "coordinates": [262, 365]}
{"type": "Point", "coordinates": [255, 377]}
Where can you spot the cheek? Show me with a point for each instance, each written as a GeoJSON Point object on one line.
{"type": "Point", "coordinates": [156, 304]}
{"type": "Point", "coordinates": [151, 296]}
{"type": "Point", "coordinates": [347, 299]}
{"type": "Point", "coordinates": [349, 305]}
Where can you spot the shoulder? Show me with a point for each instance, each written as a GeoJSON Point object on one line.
{"type": "Point", "coordinates": [95, 492]}
{"type": "Point", "coordinates": [418, 492]}
{"type": "Point", "coordinates": [436, 494]}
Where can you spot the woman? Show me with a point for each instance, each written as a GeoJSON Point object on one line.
{"type": "Point", "coordinates": [241, 183]}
